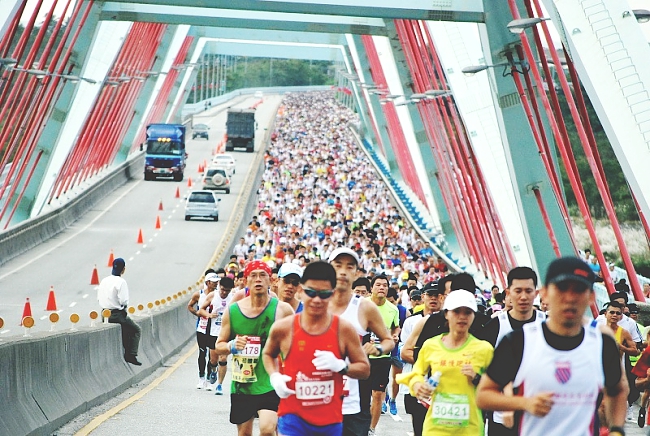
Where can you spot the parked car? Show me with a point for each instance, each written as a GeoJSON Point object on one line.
{"type": "Point", "coordinates": [204, 204]}
{"type": "Point", "coordinates": [225, 161]}
{"type": "Point", "coordinates": [200, 131]}
{"type": "Point", "coordinates": [216, 179]}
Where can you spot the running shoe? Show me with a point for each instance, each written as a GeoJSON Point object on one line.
{"type": "Point", "coordinates": [213, 376]}
{"type": "Point", "coordinates": [630, 414]}
{"type": "Point", "coordinates": [392, 404]}
{"type": "Point", "coordinates": [219, 390]}
{"type": "Point", "coordinates": [384, 408]}
{"type": "Point", "coordinates": [201, 383]}
{"type": "Point", "coordinates": [641, 419]}
{"type": "Point", "coordinates": [208, 387]}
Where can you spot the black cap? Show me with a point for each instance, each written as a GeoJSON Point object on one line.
{"type": "Point", "coordinates": [633, 308]}
{"type": "Point", "coordinates": [416, 295]}
{"type": "Point", "coordinates": [570, 268]}
{"type": "Point", "coordinates": [118, 266]}
{"type": "Point", "coordinates": [431, 289]}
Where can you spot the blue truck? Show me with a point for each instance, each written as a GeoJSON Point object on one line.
{"type": "Point", "coordinates": [165, 155]}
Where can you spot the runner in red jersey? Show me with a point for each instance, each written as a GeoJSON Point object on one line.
{"type": "Point", "coordinates": [314, 346]}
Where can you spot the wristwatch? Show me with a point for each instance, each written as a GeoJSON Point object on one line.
{"type": "Point", "coordinates": [615, 430]}
{"type": "Point", "coordinates": [344, 370]}
{"type": "Point", "coordinates": [380, 349]}
{"type": "Point", "coordinates": [476, 379]}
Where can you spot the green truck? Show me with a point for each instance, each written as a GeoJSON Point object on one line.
{"type": "Point", "coordinates": [240, 129]}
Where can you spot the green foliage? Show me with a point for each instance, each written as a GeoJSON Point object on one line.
{"type": "Point", "coordinates": [245, 72]}
{"type": "Point", "coordinates": [641, 264]}
{"type": "Point", "coordinates": [620, 192]}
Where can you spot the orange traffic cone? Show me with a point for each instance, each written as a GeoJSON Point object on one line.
{"type": "Point", "coordinates": [140, 238]}
{"type": "Point", "coordinates": [27, 311]}
{"type": "Point", "coordinates": [160, 206]}
{"type": "Point", "coordinates": [158, 226]}
{"type": "Point", "coordinates": [189, 182]}
{"type": "Point", "coordinates": [94, 279]}
{"type": "Point", "coordinates": [111, 258]}
{"type": "Point", "coordinates": [200, 168]}
{"type": "Point", "coordinates": [51, 301]}
{"type": "Point", "coordinates": [178, 193]}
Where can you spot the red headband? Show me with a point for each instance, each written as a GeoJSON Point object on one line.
{"type": "Point", "coordinates": [255, 265]}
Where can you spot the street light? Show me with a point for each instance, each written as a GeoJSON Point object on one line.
{"type": "Point", "coordinates": [520, 25]}
{"type": "Point", "coordinates": [642, 15]}
{"type": "Point", "coordinates": [525, 67]}
{"type": "Point", "coordinates": [7, 62]}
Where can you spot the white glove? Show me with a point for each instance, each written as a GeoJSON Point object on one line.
{"type": "Point", "coordinates": [279, 383]}
{"type": "Point", "coordinates": [327, 360]}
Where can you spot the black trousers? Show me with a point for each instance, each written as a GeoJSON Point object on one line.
{"type": "Point", "coordinates": [130, 331]}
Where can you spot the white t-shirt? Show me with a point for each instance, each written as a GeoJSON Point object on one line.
{"type": "Point", "coordinates": [113, 293]}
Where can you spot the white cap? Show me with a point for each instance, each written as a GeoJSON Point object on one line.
{"type": "Point", "coordinates": [212, 277]}
{"type": "Point", "coordinates": [460, 298]}
{"type": "Point", "coordinates": [344, 250]}
{"type": "Point", "coordinates": [289, 268]}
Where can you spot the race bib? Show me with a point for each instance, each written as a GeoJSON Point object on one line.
{"type": "Point", "coordinates": [346, 387]}
{"type": "Point", "coordinates": [450, 410]}
{"type": "Point", "coordinates": [244, 363]}
{"type": "Point", "coordinates": [203, 323]}
{"type": "Point", "coordinates": [315, 390]}
{"type": "Point", "coordinates": [253, 347]}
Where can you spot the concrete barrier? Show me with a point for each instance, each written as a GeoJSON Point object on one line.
{"type": "Point", "coordinates": [34, 231]}
{"type": "Point", "coordinates": [49, 379]}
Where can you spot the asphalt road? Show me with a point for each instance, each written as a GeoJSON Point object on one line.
{"type": "Point", "coordinates": [168, 403]}
{"type": "Point", "coordinates": [168, 261]}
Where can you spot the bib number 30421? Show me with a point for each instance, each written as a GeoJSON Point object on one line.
{"type": "Point", "coordinates": [450, 410]}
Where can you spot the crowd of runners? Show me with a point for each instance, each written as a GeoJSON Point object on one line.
{"type": "Point", "coordinates": [331, 304]}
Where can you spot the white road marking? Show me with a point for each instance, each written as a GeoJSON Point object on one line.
{"type": "Point", "coordinates": [84, 296]}
{"type": "Point", "coordinates": [5, 331]}
{"type": "Point", "coordinates": [396, 418]}
{"type": "Point", "coordinates": [63, 242]}
{"type": "Point", "coordinates": [73, 304]}
{"type": "Point", "coordinates": [44, 317]}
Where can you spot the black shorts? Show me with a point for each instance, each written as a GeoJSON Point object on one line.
{"type": "Point", "coordinates": [244, 407]}
{"type": "Point", "coordinates": [206, 341]}
{"type": "Point", "coordinates": [357, 424]}
{"type": "Point", "coordinates": [379, 371]}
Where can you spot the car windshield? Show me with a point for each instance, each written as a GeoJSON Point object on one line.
{"type": "Point", "coordinates": [212, 171]}
{"type": "Point", "coordinates": [201, 197]}
{"type": "Point", "coordinates": [164, 147]}
{"type": "Point", "coordinates": [222, 158]}
{"type": "Point", "coordinates": [200, 127]}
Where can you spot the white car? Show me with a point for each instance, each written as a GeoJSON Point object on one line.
{"type": "Point", "coordinates": [204, 204]}
{"type": "Point", "coordinates": [225, 161]}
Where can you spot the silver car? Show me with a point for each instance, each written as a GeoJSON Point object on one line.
{"type": "Point", "coordinates": [216, 178]}
{"type": "Point", "coordinates": [204, 204]}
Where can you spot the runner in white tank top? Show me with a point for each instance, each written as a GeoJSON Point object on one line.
{"type": "Point", "coordinates": [364, 316]}
{"type": "Point", "coordinates": [213, 308]}
{"type": "Point", "coordinates": [559, 367]}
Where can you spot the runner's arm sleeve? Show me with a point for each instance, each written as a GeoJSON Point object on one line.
{"type": "Point", "coordinates": [507, 358]}
{"type": "Point", "coordinates": [611, 362]}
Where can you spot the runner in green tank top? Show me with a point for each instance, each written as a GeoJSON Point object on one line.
{"type": "Point", "coordinates": [244, 330]}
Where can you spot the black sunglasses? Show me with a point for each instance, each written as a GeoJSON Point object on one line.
{"type": "Point", "coordinates": [288, 281]}
{"type": "Point", "coordinates": [312, 293]}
